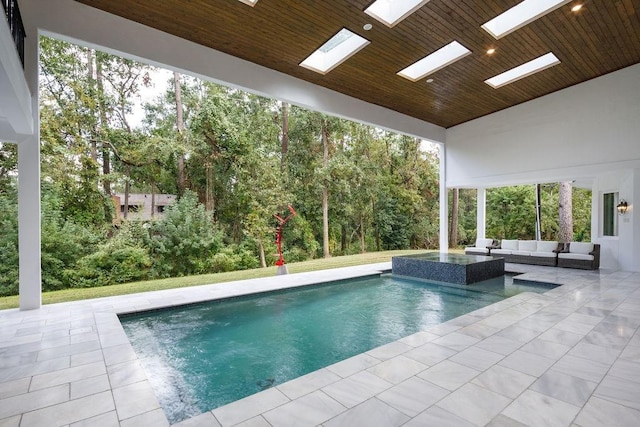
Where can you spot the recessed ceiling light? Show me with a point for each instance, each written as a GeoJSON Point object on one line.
{"type": "Point", "coordinates": [576, 8]}
{"type": "Point", "coordinates": [435, 61]}
{"type": "Point", "coordinates": [250, 2]}
{"type": "Point", "coordinates": [390, 12]}
{"type": "Point", "coordinates": [520, 15]}
{"type": "Point", "coordinates": [491, 51]}
{"type": "Point", "coordinates": [335, 51]}
{"type": "Point", "coordinates": [541, 63]}
{"type": "Point", "coordinates": [367, 27]}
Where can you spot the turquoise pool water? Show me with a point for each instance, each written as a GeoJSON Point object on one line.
{"type": "Point", "coordinates": [203, 356]}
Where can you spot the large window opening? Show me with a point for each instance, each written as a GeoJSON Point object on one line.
{"type": "Point", "coordinates": [609, 214]}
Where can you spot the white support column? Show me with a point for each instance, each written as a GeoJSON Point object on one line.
{"type": "Point", "coordinates": [30, 278]}
{"type": "Point", "coordinates": [481, 214]}
{"type": "Point", "coordinates": [444, 203]}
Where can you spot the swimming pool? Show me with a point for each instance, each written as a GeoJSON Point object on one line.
{"type": "Point", "coordinates": [203, 356]}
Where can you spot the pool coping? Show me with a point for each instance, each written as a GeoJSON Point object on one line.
{"type": "Point", "coordinates": [73, 362]}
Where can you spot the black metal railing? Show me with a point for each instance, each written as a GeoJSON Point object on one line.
{"type": "Point", "coordinates": [12, 12]}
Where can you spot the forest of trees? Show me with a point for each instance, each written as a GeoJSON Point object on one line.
{"type": "Point", "coordinates": [234, 160]}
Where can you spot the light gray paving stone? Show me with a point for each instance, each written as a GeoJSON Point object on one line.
{"type": "Point", "coordinates": [478, 330]}
{"type": "Point", "coordinates": [575, 327]}
{"type": "Point", "coordinates": [253, 422]}
{"type": "Point", "coordinates": [353, 365]}
{"type": "Point", "coordinates": [419, 338]}
{"type": "Point", "coordinates": [477, 358]}
{"type": "Point", "coordinates": [631, 352]}
{"type": "Point", "coordinates": [389, 350]}
{"type": "Point", "coordinates": [397, 369]}
{"type": "Point", "coordinates": [564, 387]}
{"type": "Point", "coordinates": [86, 358]}
{"type": "Point", "coordinates": [113, 339]}
{"type": "Point", "coordinates": [545, 348]}
{"type": "Point", "coordinates": [208, 420]}
{"type": "Point", "coordinates": [309, 410]}
{"type": "Point", "coordinates": [619, 390]}
{"type": "Point", "coordinates": [155, 418]}
{"type": "Point", "coordinates": [518, 333]}
{"type": "Point", "coordinates": [89, 386]}
{"type": "Point", "coordinates": [595, 352]}
{"type": "Point", "coordinates": [456, 341]}
{"type": "Point", "coordinates": [430, 354]}
{"type": "Point", "coordinates": [108, 419]}
{"type": "Point", "coordinates": [600, 412]}
{"type": "Point", "coordinates": [586, 369]}
{"type": "Point", "coordinates": [357, 388]}
{"type": "Point", "coordinates": [538, 410]}
{"type": "Point", "coordinates": [67, 350]}
{"type": "Point", "coordinates": [413, 396]}
{"type": "Point", "coordinates": [499, 344]}
{"type": "Point", "coordinates": [626, 369]}
{"type": "Point", "coordinates": [443, 329]}
{"type": "Point", "coordinates": [606, 340]}
{"type": "Point", "coordinates": [436, 416]}
{"type": "Point", "coordinates": [14, 388]}
{"type": "Point", "coordinates": [449, 375]}
{"type": "Point", "coordinates": [31, 401]}
{"type": "Point", "coordinates": [126, 373]}
{"type": "Point", "coordinates": [527, 363]}
{"type": "Point", "coordinates": [503, 421]}
{"type": "Point", "coordinates": [134, 399]}
{"type": "Point", "coordinates": [475, 404]}
{"type": "Point", "coordinates": [585, 318]}
{"type": "Point", "coordinates": [70, 411]}
{"type": "Point", "coordinates": [11, 422]}
{"type": "Point", "coordinates": [369, 413]}
{"type": "Point", "coordinates": [18, 359]}
{"type": "Point", "coordinates": [37, 368]}
{"type": "Point", "coordinates": [249, 407]}
{"type": "Point", "coordinates": [307, 383]}
{"type": "Point", "coordinates": [504, 381]}
{"type": "Point", "coordinates": [118, 354]}
{"type": "Point", "coordinates": [68, 375]}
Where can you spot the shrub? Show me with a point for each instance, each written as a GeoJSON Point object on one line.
{"type": "Point", "coordinates": [110, 265]}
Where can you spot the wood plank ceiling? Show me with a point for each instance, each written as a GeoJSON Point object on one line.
{"type": "Point", "coordinates": [602, 37]}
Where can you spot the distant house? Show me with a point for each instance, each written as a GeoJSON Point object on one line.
{"type": "Point", "coordinates": [142, 206]}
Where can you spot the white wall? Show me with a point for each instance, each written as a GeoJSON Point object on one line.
{"type": "Point", "coordinates": [589, 132]}
{"type": "Point", "coordinates": [75, 22]}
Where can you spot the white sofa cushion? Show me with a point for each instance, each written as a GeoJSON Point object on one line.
{"type": "Point", "coordinates": [511, 245]}
{"type": "Point", "coordinates": [572, 255]}
{"type": "Point", "coordinates": [522, 253]}
{"type": "Point", "coordinates": [483, 243]}
{"type": "Point", "coordinates": [476, 250]}
{"type": "Point", "coordinates": [527, 245]}
{"type": "Point", "coordinates": [546, 246]}
{"type": "Point", "coordinates": [544, 254]}
{"type": "Point", "coordinates": [580, 248]}
{"type": "Point", "coordinates": [501, 251]}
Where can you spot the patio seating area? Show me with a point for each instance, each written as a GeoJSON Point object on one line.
{"type": "Point", "coordinates": [570, 356]}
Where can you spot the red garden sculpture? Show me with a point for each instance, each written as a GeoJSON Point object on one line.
{"type": "Point", "coordinates": [281, 222]}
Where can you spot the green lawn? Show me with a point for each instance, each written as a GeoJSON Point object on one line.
{"type": "Point", "coordinates": [206, 279]}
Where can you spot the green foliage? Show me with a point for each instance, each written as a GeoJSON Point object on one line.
{"type": "Point", "coordinates": [110, 265]}
{"type": "Point", "coordinates": [9, 240]}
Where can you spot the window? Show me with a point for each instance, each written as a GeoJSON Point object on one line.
{"type": "Point", "coordinates": [160, 208]}
{"type": "Point", "coordinates": [609, 214]}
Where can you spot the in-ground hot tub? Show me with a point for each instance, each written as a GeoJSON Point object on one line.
{"type": "Point", "coordinates": [450, 268]}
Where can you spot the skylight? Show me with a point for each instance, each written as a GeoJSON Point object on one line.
{"type": "Point", "coordinates": [250, 2]}
{"type": "Point", "coordinates": [520, 15]}
{"type": "Point", "coordinates": [335, 51]}
{"type": "Point", "coordinates": [541, 63]}
{"type": "Point", "coordinates": [435, 61]}
{"type": "Point", "coordinates": [390, 12]}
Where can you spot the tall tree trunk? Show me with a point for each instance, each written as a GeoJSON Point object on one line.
{"type": "Point", "coordinates": [126, 192]}
{"type": "Point", "coordinates": [538, 213]}
{"type": "Point", "coordinates": [153, 201]}
{"type": "Point", "coordinates": [209, 203]}
{"type": "Point", "coordinates": [363, 246]}
{"type": "Point", "coordinates": [453, 228]}
{"type": "Point", "coordinates": [263, 261]}
{"type": "Point", "coordinates": [180, 127]}
{"type": "Point", "coordinates": [325, 192]}
{"type": "Point", "coordinates": [343, 238]}
{"type": "Point", "coordinates": [285, 135]}
{"type": "Point", "coordinates": [565, 213]}
{"type": "Point", "coordinates": [94, 142]}
{"type": "Point", "coordinates": [106, 153]}
{"type": "Point", "coordinates": [376, 231]}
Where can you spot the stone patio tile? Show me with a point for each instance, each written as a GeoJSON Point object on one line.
{"type": "Point", "coordinates": [586, 369]}
{"type": "Point", "coordinates": [499, 344]}
{"type": "Point", "coordinates": [631, 352]}
{"type": "Point", "coordinates": [504, 381]}
{"type": "Point", "coordinates": [503, 421]}
{"type": "Point", "coordinates": [599, 412]}
{"type": "Point", "coordinates": [68, 375]}
{"type": "Point", "coordinates": [389, 350]}
{"type": "Point", "coordinates": [413, 396]}
{"type": "Point", "coordinates": [561, 337]}
{"type": "Point", "coordinates": [585, 318]}
{"type": "Point", "coordinates": [36, 368]}
{"type": "Point", "coordinates": [108, 419]}
{"type": "Point", "coordinates": [155, 418]}
{"type": "Point", "coordinates": [118, 354]}
{"type": "Point", "coordinates": [419, 338]}
{"type": "Point", "coordinates": [309, 410]}
{"type": "Point", "coordinates": [443, 329]}
{"type": "Point", "coordinates": [357, 388]}
{"type": "Point", "coordinates": [397, 369]}
{"type": "Point", "coordinates": [372, 412]}
{"type": "Point", "coordinates": [249, 407]}
{"type": "Point", "coordinates": [527, 363]}
{"type": "Point", "coordinates": [607, 340]}
{"type": "Point", "coordinates": [477, 358]}
{"type": "Point", "coordinates": [18, 359]}
{"type": "Point", "coordinates": [478, 330]}
{"type": "Point", "coordinates": [436, 416]}
{"type": "Point", "coordinates": [575, 327]}
{"type": "Point", "coordinates": [89, 386]}
{"type": "Point", "coordinates": [538, 410]}
{"type": "Point", "coordinates": [253, 422]}
{"type": "Point", "coordinates": [449, 375]}
{"type": "Point", "coordinates": [126, 373]}
{"type": "Point", "coordinates": [430, 354]}
{"type": "Point", "coordinates": [67, 350]}
{"type": "Point", "coordinates": [134, 399]}
{"type": "Point", "coordinates": [456, 341]}
{"type": "Point", "coordinates": [14, 388]}
{"type": "Point", "coordinates": [31, 401]}
{"type": "Point", "coordinates": [626, 369]}
{"type": "Point", "coordinates": [518, 333]}
{"type": "Point", "coordinates": [545, 348]}
{"type": "Point", "coordinates": [86, 358]}
{"type": "Point", "coordinates": [307, 383]}
{"type": "Point", "coordinates": [564, 387]}
{"type": "Point", "coordinates": [353, 365]}
{"type": "Point", "coordinates": [475, 404]}
{"type": "Point", "coordinates": [619, 390]}
{"type": "Point", "coordinates": [71, 411]}
{"type": "Point", "coordinates": [208, 420]}
{"type": "Point", "coordinates": [595, 352]}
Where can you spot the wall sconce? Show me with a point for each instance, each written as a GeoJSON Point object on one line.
{"type": "Point", "coordinates": [622, 207]}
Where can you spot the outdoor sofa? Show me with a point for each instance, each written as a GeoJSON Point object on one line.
{"type": "Point", "coordinates": [481, 247]}
{"type": "Point", "coordinates": [580, 255]}
{"type": "Point", "coordinates": [528, 252]}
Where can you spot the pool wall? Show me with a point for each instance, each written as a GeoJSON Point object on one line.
{"type": "Point", "coordinates": [483, 268]}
